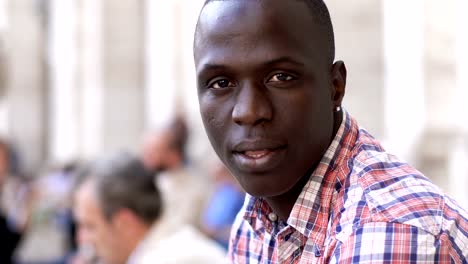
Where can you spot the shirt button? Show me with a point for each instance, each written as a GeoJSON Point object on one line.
{"type": "Point", "coordinates": [273, 217]}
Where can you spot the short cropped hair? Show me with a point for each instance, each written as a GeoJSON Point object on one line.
{"type": "Point", "coordinates": [321, 16]}
{"type": "Point", "coordinates": [121, 181]}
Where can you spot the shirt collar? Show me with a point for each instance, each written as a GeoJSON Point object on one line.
{"type": "Point", "coordinates": [310, 213]}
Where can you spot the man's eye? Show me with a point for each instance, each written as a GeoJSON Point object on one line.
{"type": "Point", "coordinates": [281, 77]}
{"type": "Point", "coordinates": [221, 84]}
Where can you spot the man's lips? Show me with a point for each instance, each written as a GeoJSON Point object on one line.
{"type": "Point", "coordinates": [257, 146]}
{"type": "Point", "coordinates": [258, 155]}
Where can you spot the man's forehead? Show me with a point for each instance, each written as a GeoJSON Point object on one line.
{"type": "Point", "coordinates": [86, 191]}
{"type": "Point", "coordinates": [232, 12]}
{"type": "Point", "coordinates": [87, 206]}
{"type": "Point", "coordinates": [250, 31]}
{"type": "Point", "coordinates": [222, 21]}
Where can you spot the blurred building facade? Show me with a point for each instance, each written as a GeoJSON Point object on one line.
{"type": "Point", "coordinates": [80, 78]}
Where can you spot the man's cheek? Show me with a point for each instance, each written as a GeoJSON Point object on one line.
{"type": "Point", "coordinates": [215, 122]}
{"type": "Point", "coordinates": [84, 235]}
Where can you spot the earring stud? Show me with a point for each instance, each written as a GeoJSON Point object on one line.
{"type": "Point", "coordinates": [338, 109]}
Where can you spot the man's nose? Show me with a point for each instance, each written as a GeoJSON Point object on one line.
{"type": "Point", "coordinates": [253, 105]}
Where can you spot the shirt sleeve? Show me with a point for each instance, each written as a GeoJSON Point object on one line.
{"type": "Point", "coordinates": [395, 243]}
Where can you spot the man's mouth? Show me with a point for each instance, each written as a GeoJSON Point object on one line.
{"type": "Point", "coordinates": [258, 156]}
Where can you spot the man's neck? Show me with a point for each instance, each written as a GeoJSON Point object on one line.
{"type": "Point", "coordinates": [136, 240]}
{"type": "Point", "coordinates": [283, 204]}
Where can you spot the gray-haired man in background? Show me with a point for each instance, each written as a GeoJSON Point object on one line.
{"type": "Point", "coordinates": [118, 208]}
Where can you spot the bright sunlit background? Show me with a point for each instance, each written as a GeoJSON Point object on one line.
{"type": "Point", "coordinates": [82, 78]}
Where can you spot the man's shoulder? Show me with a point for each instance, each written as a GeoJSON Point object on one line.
{"type": "Point", "coordinates": [390, 190]}
{"type": "Point", "coordinates": [404, 198]}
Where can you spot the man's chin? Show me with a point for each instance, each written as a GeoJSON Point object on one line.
{"type": "Point", "coordinates": [263, 190]}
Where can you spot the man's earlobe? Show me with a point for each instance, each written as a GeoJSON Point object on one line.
{"type": "Point", "coordinates": [338, 76]}
{"type": "Point", "coordinates": [123, 218]}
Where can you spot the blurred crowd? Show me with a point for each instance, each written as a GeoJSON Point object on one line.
{"type": "Point", "coordinates": [154, 206]}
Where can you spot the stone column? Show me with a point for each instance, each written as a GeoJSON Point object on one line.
{"type": "Point", "coordinates": [161, 69]}
{"type": "Point", "coordinates": [122, 74]}
{"type": "Point", "coordinates": [3, 69]}
{"type": "Point", "coordinates": [75, 79]}
{"type": "Point", "coordinates": [359, 43]}
{"type": "Point", "coordinates": [64, 105]}
{"type": "Point", "coordinates": [439, 58]}
{"type": "Point", "coordinates": [25, 82]}
{"type": "Point", "coordinates": [461, 55]}
{"type": "Point", "coordinates": [90, 81]}
{"type": "Point", "coordinates": [3, 16]}
{"type": "Point", "coordinates": [96, 77]}
{"type": "Point", "coordinates": [458, 173]}
{"type": "Point", "coordinates": [442, 148]}
{"type": "Point", "coordinates": [404, 75]}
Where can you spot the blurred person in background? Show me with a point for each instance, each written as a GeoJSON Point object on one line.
{"type": "Point", "coordinates": [55, 205]}
{"type": "Point", "coordinates": [182, 187]}
{"type": "Point", "coordinates": [223, 205]}
{"type": "Point", "coordinates": [16, 203]}
{"type": "Point", "coordinates": [165, 149]}
{"type": "Point", "coordinates": [119, 208]}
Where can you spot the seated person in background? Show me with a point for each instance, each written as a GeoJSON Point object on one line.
{"type": "Point", "coordinates": [182, 187]}
{"type": "Point", "coordinates": [223, 206]}
{"type": "Point", "coordinates": [118, 209]}
{"type": "Point", "coordinates": [165, 148]}
{"type": "Point", "coordinates": [56, 189]}
{"type": "Point", "coordinates": [16, 203]}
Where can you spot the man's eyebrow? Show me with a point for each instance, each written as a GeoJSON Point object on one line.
{"type": "Point", "coordinates": [212, 67]}
{"type": "Point", "coordinates": [283, 60]}
{"type": "Point", "coordinates": [217, 67]}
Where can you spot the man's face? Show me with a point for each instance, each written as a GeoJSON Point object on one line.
{"type": "Point", "coordinates": [94, 229]}
{"type": "Point", "coordinates": [265, 90]}
{"type": "Point", "coordinates": [155, 150]}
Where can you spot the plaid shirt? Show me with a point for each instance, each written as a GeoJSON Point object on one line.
{"type": "Point", "coordinates": [361, 205]}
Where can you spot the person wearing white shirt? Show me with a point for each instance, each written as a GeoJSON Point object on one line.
{"type": "Point", "coordinates": [118, 208]}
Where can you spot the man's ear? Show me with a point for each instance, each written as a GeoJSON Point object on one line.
{"type": "Point", "coordinates": [124, 219]}
{"type": "Point", "coordinates": [338, 77]}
